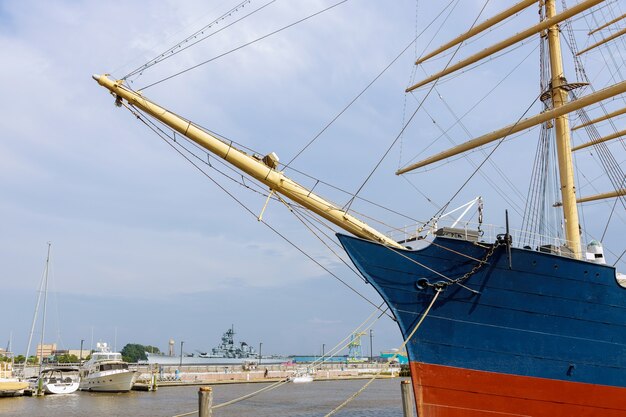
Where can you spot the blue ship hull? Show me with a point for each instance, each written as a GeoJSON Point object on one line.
{"type": "Point", "coordinates": [541, 317]}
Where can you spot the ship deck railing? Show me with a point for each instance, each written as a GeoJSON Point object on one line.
{"type": "Point", "coordinates": [485, 233]}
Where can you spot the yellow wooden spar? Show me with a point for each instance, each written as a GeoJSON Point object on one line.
{"type": "Point", "coordinates": [549, 22]}
{"type": "Point", "coordinates": [478, 29]}
{"type": "Point", "coordinates": [600, 119]}
{"type": "Point", "coordinates": [603, 41]}
{"type": "Point", "coordinates": [607, 24]}
{"type": "Point", "coordinates": [521, 125]}
{"type": "Point", "coordinates": [262, 170]}
{"type": "Point", "coordinates": [600, 140]}
{"type": "Point", "coordinates": [603, 196]}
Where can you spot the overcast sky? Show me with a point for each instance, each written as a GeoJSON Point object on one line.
{"type": "Point", "coordinates": [145, 248]}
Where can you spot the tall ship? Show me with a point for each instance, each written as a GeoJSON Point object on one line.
{"type": "Point", "coordinates": [227, 352]}
{"type": "Point", "coordinates": [496, 322]}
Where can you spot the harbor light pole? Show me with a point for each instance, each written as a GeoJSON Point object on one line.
{"type": "Point", "coordinates": [181, 354]}
{"type": "Point", "coordinates": [260, 346]}
{"type": "Point", "coordinates": [371, 347]}
{"type": "Point", "coordinates": [80, 359]}
{"type": "Point", "coordinates": [323, 349]}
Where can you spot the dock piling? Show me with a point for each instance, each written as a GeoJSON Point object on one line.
{"type": "Point", "coordinates": [407, 404]}
{"type": "Point", "coordinates": [205, 401]}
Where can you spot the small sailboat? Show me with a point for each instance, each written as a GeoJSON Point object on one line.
{"type": "Point", "coordinates": [513, 323]}
{"type": "Point", "coordinates": [59, 380]}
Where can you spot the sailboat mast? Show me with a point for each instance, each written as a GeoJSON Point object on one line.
{"type": "Point", "coordinates": [43, 319]}
{"type": "Point", "coordinates": [563, 139]}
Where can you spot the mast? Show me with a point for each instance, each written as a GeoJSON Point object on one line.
{"type": "Point", "coordinates": [35, 315]}
{"type": "Point", "coordinates": [43, 323]}
{"type": "Point", "coordinates": [563, 139]}
{"type": "Point", "coordinates": [263, 170]}
{"type": "Point", "coordinates": [560, 109]}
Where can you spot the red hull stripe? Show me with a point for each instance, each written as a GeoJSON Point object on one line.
{"type": "Point", "coordinates": [443, 391]}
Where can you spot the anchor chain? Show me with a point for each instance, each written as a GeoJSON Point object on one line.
{"type": "Point", "coordinates": [441, 285]}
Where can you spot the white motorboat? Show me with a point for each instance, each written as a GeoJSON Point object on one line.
{"type": "Point", "coordinates": [106, 372]}
{"type": "Point", "coordinates": [58, 380]}
{"type": "Point", "coordinates": [301, 377]}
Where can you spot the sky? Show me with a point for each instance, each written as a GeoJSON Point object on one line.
{"type": "Point", "coordinates": [145, 248]}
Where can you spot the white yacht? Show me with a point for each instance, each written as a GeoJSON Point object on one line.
{"type": "Point", "coordinates": [106, 372]}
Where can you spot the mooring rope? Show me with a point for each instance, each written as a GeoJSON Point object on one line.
{"type": "Point", "coordinates": [243, 397]}
{"type": "Point", "coordinates": [402, 346]}
{"type": "Point", "coordinates": [356, 394]}
{"type": "Point", "coordinates": [340, 346]}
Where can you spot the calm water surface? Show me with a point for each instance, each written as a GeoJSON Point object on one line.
{"type": "Point", "coordinates": [381, 399]}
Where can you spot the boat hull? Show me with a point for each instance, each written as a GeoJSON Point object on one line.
{"type": "Point", "coordinates": [443, 391]}
{"type": "Point", "coordinates": [61, 388]}
{"type": "Point", "coordinates": [533, 319]}
{"type": "Point", "coordinates": [12, 387]}
{"type": "Point", "coordinates": [303, 379]}
{"type": "Point", "coordinates": [109, 381]}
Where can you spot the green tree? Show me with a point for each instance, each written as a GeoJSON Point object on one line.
{"type": "Point", "coordinates": [66, 358]}
{"type": "Point", "coordinates": [134, 352]}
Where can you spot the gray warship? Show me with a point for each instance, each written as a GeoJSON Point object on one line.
{"type": "Point", "coordinates": [226, 353]}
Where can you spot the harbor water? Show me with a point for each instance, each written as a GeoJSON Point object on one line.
{"type": "Point", "coordinates": [381, 399]}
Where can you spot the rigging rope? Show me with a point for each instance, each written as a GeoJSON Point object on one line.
{"type": "Point", "coordinates": [245, 44]}
{"type": "Point", "coordinates": [432, 87]}
{"type": "Point", "coordinates": [338, 347]}
{"type": "Point", "coordinates": [498, 143]}
{"type": "Point", "coordinates": [148, 123]}
{"type": "Point", "coordinates": [243, 397]}
{"type": "Point", "coordinates": [338, 115]}
{"type": "Point", "coordinates": [417, 326]}
{"type": "Point", "coordinates": [179, 48]}
{"type": "Point", "coordinates": [345, 342]}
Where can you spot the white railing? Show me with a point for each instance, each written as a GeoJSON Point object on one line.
{"type": "Point", "coordinates": [487, 233]}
